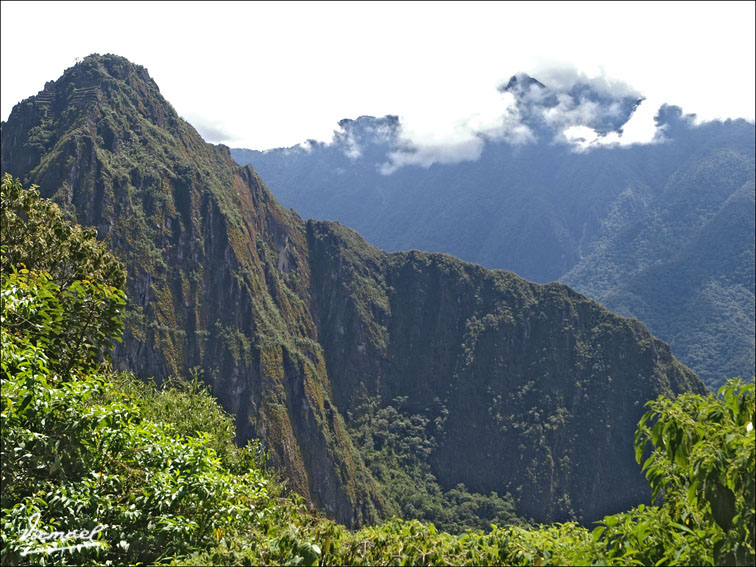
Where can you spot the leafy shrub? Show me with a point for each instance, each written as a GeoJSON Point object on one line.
{"type": "Point", "coordinates": [71, 466]}
{"type": "Point", "coordinates": [702, 465]}
{"type": "Point", "coordinates": [92, 473]}
{"type": "Point", "coordinates": [78, 311]}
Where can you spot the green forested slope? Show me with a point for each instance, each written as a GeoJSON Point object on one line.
{"type": "Point", "coordinates": [697, 290]}
{"type": "Point", "coordinates": [538, 371]}
{"type": "Point", "coordinates": [217, 271]}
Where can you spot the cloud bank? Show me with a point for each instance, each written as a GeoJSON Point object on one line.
{"type": "Point", "coordinates": [213, 132]}
{"type": "Point", "coordinates": [567, 107]}
{"type": "Point", "coordinates": [562, 106]}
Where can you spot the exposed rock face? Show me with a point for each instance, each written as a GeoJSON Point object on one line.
{"type": "Point", "coordinates": [541, 388]}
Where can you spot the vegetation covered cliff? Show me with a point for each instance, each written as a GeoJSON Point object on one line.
{"type": "Point", "coordinates": [101, 468]}
{"type": "Point", "coordinates": [408, 383]}
{"type": "Point", "coordinates": [217, 271]}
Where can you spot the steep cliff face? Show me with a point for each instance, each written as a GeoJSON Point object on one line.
{"type": "Point", "coordinates": [218, 274]}
{"type": "Point", "coordinates": [537, 388]}
{"type": "Point", "coordinates": [534, 390]}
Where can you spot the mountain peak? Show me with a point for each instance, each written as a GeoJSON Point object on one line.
{"type": "Point", "coordinates": [570, 99]}
{"type": "Point", "coordinates": [109, 65]}
{"type": "Point", "coordinates": [106, 98]}
{"type": "Point", "coordinates": [98, 79]}
{"type": "Point", "coordinates": [368, 133]}
{"type": "Point", "coordinates": [520, 82]}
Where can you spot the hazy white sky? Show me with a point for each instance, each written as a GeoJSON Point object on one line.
{"type": "Point", "coordinates": [261, 75]}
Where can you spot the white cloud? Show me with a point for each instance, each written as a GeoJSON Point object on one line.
{"type": "Point", "coordinates": [426, 155]}
{"type": "Point", "coordinates": [211, 132]}
{"type": "Point", "coordinates": [566, 75]}
{"type": "Point", "coordinates": [495, 117]}
{"type": "Point", "coordinates": [571, 108]}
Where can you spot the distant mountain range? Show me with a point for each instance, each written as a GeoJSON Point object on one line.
{"type": "Point", "coordinates": [408, 383]}
{"type": "Point", "coordinates": [662, 231]}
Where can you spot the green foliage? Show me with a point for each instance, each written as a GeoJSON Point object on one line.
{"type": "Point", "coordinates": [36, 236]}
{"type": "Point", "coordinates": [78, 460]}
{"type": "Point", "coordinates": [299, 537]}
{"type": "Point", "coordinates": [396, 445]}
{"type": "Point", "coordinates": [703, 467]}
{"type": "Point", "coordinates": [97, 468]}
{"type": "Point", "coordinates": [415, 543]}
{"type": "Point", "coordinates": [187, 406]}
{"type": "Point", "coordinates": [77, 309]}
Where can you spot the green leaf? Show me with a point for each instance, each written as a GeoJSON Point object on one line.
{"type": "Point", "coordinates": [25, 402]}
{"type": "Point", "coordinates": [598, 532]}
{"type": "Point", "coordinates": [722, 501]}
{"type": "Point", "coordinates": [639, 446]}
{"type": "Point", "coordinates": [684, 528]}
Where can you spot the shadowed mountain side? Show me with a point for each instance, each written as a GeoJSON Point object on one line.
{"type": "Point", "coordinates": [527, 380]}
